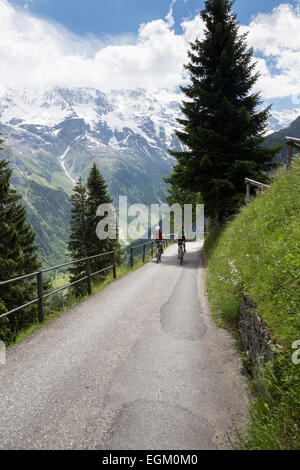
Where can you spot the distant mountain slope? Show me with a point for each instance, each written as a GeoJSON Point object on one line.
{"type": "Point", "coordinates": [54, 137]}
{"type": "Point", "coordinates": [293, 130]}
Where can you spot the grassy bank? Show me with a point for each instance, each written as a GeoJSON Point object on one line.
{"type": "Point", "coordinates": [259, 252]}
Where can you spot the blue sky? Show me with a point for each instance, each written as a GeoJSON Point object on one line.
{"type": "Point", "coordinates": [109, 17]}
{"type": "Point", "coordinates": [122, 44]}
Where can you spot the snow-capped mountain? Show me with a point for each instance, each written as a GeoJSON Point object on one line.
{"type": "Point", "coordinates": [282, 119]}
{"type": "Point", "coordinates": [80, 125]}
{"type": "Point", "coordinates": [55, 136]}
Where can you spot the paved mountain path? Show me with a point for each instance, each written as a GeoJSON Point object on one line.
{"type": "Point", "coordinates": [139, 365]}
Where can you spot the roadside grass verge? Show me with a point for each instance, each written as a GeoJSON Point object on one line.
{"type": "Point", "coordinates": [258, 252]}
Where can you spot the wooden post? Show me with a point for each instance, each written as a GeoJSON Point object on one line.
{"type": "Point", "coordinates": [89, 278]}
{"type": "Point", "coordinates": [40, 296]}
{"type": "Point", "coordinates": [114, 266]}
{"type": "Point", "coordinates": [131, 257]}
{"type": "Point", "coordinates": [144, 253]}
{"type": "Point", "coordinates": [289, 156]}
{"type": "Point", "coordinates": [247, 193]}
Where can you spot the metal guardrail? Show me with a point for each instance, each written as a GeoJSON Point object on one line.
{"type": "Point", "coordinates": [88, 277]}
{"type": "Point", "coordinates": [39, 282]}
{"type": "Point", "coordinates": [144, 245]}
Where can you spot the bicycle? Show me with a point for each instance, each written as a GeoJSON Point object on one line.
{"type": "Point", "coordinates": [158, 252]}
{"type": "Point", "coordinates": [181, 252]}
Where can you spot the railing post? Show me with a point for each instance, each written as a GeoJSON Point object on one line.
{"type": "Point", "coordinates": [88, 273]}
{"type": "Point", "coordinates": [131, 257]}
{"type": "Point", "coordinates": [247, 193]}
{"type": "Point", "coordinates": [114, 265]}
{"type": "Point", "coordinates": [289, 157]}
{"type": "Point", "coordinates": [39, 279]}
{"type": "Point", "coordinates": [144, 253]}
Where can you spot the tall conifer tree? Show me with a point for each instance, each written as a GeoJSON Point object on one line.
{"type": "Point", "coordinates": [18, 256]}
{"type": "Point", "coordinates": [98, 194]}
{"type": "Point", "coordinates": [223, 126]}
{"type": "Point", "coordinates": [78, 240]}
{"type": "Point", "coordinates": [83, 241]}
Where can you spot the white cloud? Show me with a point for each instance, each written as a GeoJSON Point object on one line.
{"type": "Point", "coordinates": [193, 29]}
{"type": "Point", "coordinates": [39, 53]}
{"type": "Point", "coordinates": [169, 17]}
{"type": "Point", "coordinates": [275, 37]}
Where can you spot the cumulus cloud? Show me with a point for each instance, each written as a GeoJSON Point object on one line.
{"type": "Point", "coordinates": [275, 38]}
{"type": "Point", "coordinates": [39, 53]}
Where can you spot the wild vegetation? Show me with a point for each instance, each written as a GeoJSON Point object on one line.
{"type": "Point", "coordinates": [258, 252]}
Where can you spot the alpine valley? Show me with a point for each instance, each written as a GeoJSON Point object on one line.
{"type": "Point", "coordinates": [53, 136]}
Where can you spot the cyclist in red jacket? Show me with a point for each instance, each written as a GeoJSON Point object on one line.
{"type": "Point", "coordinates": [158, 236]}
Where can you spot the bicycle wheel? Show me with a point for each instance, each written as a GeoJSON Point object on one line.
{"type": "Point", "coordinates": [181, 255]}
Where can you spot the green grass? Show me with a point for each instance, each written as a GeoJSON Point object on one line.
{"type": "Point", "coordinates": [259, 252]}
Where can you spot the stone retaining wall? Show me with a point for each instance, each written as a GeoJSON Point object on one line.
{"type": "Point", "coordinates": [254, 336]}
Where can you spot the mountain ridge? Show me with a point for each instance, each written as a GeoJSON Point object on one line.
{"type": "Point", "coordinates": [278, 137]}
{"type": "Point", "coordinates": [56, 136]}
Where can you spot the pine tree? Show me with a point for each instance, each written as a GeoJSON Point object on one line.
{"type": "Point", "coordinates": [97, 195]}
{"type": "Point", "coordinates": [78, 240]}
{"type": "Point", "coordinates": [18, 256]}
{"type": "Point", "coordinates": [222, 126]}
{"type": "Point", "coordinates": [83, 241]}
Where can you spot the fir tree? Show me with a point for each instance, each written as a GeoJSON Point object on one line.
{"type": "Point", "coordinates": [83, 241]}
{"type": "Point", "coordinates": [18, 256]}
{"type": "Point", "coordinates": [78, 240]}
{"type": "Point", "coordinates": [222, 126]}
{"type": "Point", "coordinates": [98, 194]}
